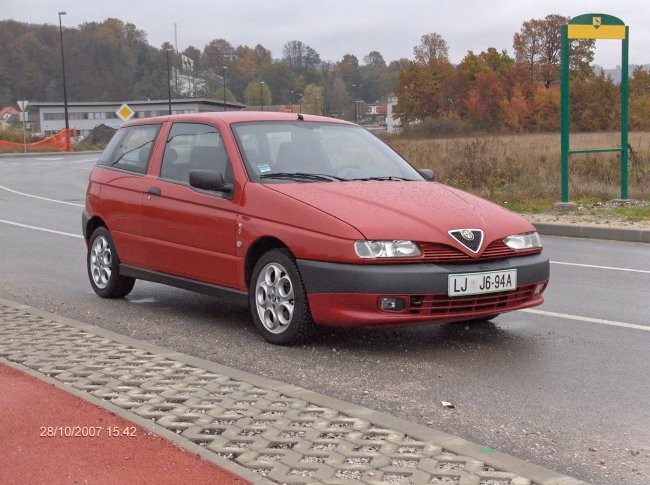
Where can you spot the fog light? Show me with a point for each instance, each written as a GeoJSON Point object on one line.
{"type": "Point", "coordinates": [539, 288]}
{"type": "Point", "coordinates": [392, 304]}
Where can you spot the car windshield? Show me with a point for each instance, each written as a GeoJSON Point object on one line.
{"type": "Point", "coordinates": [304, 151]}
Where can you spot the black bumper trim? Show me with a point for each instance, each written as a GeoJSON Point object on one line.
{"type": "Point", "coordinates": [425, 278]}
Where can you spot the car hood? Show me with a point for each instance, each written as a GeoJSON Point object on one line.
{"type": "Point", "coordinates": [419, 211]}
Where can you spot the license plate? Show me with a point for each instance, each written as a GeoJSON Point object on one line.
{"type": "Point", "coordinates": [480, 283]}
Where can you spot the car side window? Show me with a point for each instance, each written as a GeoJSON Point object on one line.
{"type": "Point", "coordinates": [194, 146]}
{"type": "Point", "coordinates": [130, 148]}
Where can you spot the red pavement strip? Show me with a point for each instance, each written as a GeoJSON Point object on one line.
{"type": "Point", "coordinates": [37, 419]}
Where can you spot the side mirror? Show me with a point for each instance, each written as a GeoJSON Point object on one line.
{"type": "Point", "coordinates": [209, 180]}
{"type": "Point", "coordinates": [427, 173]}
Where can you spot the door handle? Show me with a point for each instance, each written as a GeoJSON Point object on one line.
{"type": "Point", "coordinates": [154, 191]}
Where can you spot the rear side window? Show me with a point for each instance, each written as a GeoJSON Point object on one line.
{"type": "Point", "coordinates": [130, 148]}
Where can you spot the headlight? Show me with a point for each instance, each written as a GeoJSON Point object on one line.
{"type": "Point", "coordinates": [529, 240]}
{"type": "Point", "coordinates": [387, 249]}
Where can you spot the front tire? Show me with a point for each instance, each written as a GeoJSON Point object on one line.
{"type": "Point", "coordinates": [277, 299]}
{"type": "Point", "coordinates": [103, 266]}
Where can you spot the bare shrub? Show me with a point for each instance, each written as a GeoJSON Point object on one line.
{"type": "Point", "coordinates": [525, 170]}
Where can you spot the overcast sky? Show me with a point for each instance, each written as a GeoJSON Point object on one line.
{"type": "Point", "coordinates": [338, 27]}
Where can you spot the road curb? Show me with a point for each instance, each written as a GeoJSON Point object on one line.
{"type": "Point", "coordinates": [593, 232]}
{"type": "Point", "coordinates": [47, 154]}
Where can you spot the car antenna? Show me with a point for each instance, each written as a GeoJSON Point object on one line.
{"type": "Point", "coordinates": [301, 117]}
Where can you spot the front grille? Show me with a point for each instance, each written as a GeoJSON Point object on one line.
{"type": "Point", "coordinates": [441, 305]}
{"type": "Point", "coordinates": [474, 241]}
{"type": "Point", "coordinates": [442, 253]}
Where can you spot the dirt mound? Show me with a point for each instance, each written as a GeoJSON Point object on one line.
{"type": "Point", "coordinates": [100, 135]}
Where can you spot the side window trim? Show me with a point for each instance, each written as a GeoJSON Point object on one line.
{"type": "Point", "coordinates": [130, 148]}
{"type": "Point", "coordinates": [191, 146]}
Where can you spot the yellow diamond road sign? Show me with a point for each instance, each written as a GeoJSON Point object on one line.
{"type": "Point", "coordinates": [125, 112]}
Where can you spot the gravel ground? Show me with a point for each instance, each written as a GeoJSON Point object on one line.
{"type": "Point", "coordinates": [592, 215]}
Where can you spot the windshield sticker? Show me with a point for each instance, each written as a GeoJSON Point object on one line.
{"type": "Point", "coordinates": [263, 167]}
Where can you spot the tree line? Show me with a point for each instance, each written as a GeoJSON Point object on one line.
{"type": "Point", "coordinates": [112, 61]}
{"type": "Point", "coordinates": [491, 90]}
{"type": "Point", "coordinates": [496, 92]}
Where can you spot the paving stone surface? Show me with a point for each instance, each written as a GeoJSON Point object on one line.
{"type": "Point", "coordinates": [278, 435]}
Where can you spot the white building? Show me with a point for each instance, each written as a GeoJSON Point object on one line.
{"type": "Point", "coordinates": [393, 124]}
{"type": "Point", "coordinates": [84, 116]}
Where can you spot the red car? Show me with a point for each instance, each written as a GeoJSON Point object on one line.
{"type": "Point", "coordinates": [310, 220]}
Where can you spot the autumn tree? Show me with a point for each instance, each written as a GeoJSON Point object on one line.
{"type": "Point", "coordinates": [490, 60]}
{"type": "Point", "coordinates": [485, 99]}
{"type": "Point", "coordinates": [338, 101]}
{"type": "Point", "coordinates": [515, 112]}
{"type": "Point", "coordinates": [257, 94]}
{"type": "Point", "coordinates": [639, 89]}
{"type": "Point", "coordinates": [246, 64]}
{"type": "Point", "coordinates": [374, 77]}
{"type": "Point", "coordinates": [423, 88]}
{"type": "Point", "coordinates": [594, 104]}
{"type": "Point", "coordinates": [423, 91]}
{"type": "Point", "coordinates": [538, 46]}
{"type": "Point", "coordinates": [281, 80]}
{"type": "Point", "coordinates": [300, 55]}
{"type": "Point", "coordinates": [313, 99]}
{"type": "Point", "coordinates": [347, 69]}
{"type": "Point", "coordinates": [432, 48]}
{"type": "Point", "coordinates": [465, 75]}
{"type": "Point", "coordinates": [394, 68]}
{"type": "Point", "coordinates": [217, 54]}
{"type": "Point", "coordinates": [151, 82]}
{"type": "Point", "coordinates": [545, 109]}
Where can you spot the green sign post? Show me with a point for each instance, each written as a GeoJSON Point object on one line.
{"type": "Point", "coordinates": [593, 26]}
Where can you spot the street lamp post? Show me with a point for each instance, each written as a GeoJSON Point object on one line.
{"type": "Point", "coordinates": [354, 88]}
{"type": "Point", "coordinates": [65, 93]}
{"type": "Point", "coordinates": [169, 83]}
{"type": "Point", "coordinates": [356, 120]}
{"type": "Point", "coordinates": [224, 87]}
{"type": "Point", "coordinates": [261, 98]}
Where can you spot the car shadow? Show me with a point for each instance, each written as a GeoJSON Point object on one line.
{"type": "Point", "coordinates": [450, 335]}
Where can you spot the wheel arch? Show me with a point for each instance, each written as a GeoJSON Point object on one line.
{"type": "Point", "coordinates": [90, 225]}
{"type": "Point", "coordinates": [255, 252]}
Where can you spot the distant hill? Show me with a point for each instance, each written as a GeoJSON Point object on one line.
{"type": "Point", "coordinates": [615, 74]}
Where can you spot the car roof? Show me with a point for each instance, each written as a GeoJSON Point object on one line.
{"type": "Point", "coordinates": [235, 117]}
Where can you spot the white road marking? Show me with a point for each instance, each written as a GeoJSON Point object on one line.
{"type": "Point", "coordinates": [629, 270]}
{"type": "Point", "coordinates": [40, 198]}
{"type": "Point", "coordinates": [588, 319]}
{"type": "Point", "coordinates": [11, 223]}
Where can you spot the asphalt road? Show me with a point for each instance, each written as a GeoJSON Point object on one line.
{"type": "Point", "coordinates": [565, 385]}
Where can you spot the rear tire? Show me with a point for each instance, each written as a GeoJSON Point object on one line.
{"type": "Point", "coordinates": [104, 266]}
{"type": "Point", "coordinates": [277, 299]}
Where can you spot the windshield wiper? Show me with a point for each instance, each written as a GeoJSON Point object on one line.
{"type": "Point", "coordinates": [300, 176]}
{"type": "Point", "coordinates": [119, 159]}
{"type": "Point", "coordinates": [386, 177]}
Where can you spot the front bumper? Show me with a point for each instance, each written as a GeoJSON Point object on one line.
{"type": "Point", "coordinates": [348, 294]}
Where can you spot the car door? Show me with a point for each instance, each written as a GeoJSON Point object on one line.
{"type": "Point", "coordinates": [116, 189]}
{"type": "Point", "coordinates": [189, 232]}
